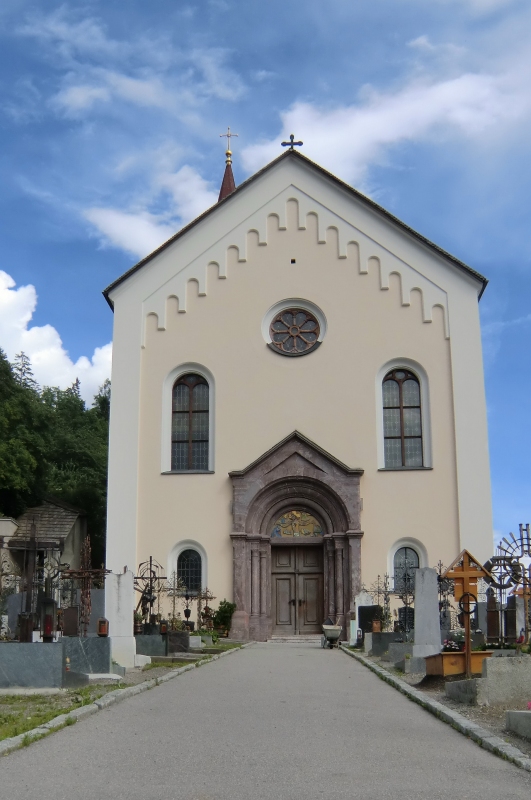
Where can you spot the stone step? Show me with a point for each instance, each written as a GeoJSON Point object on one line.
{"type": "Point", "coordinates": [310, 638]}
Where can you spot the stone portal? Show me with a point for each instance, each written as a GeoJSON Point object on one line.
{"type": "Point", "coordinates": [295, 477]}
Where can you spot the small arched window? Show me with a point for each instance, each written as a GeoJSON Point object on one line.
{"type": "Point", "coordinates": [402, 420]}
{"type": "Point", "coordinates": [190, 424]}
{"type": "Point", "coordinates": [189, 570]}
{"type": "Point", "coordinates": [405, 562]}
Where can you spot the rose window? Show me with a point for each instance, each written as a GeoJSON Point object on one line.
{"type": "Point", "coordinates": [294, 332]}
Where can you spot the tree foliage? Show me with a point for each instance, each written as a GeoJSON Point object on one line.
{"type": "Point", "coordinates": [52, 444]}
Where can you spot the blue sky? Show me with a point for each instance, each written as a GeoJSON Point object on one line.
{"type": "Point", "coordinates": [110, 115]}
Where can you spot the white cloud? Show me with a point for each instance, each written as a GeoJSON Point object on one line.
{"type": "Point", "coordinates": [69, 35]}
{"type": "Point", "coordinates": [149, 72]}
{"type": "Point", "coordinates": [139, 231]}
{"type": "Point", "coordinates": [78, 98]}
{"type": "Point", "coordinates": [348, 139]}
{"type": "Point", "coordinates": [136, 233]}
{"type": "Point", "coordinates": [191, 193]}
{"type": "Point", "coordinates": [218, 80]}
{"type": "Point", "coordinates": [52, 366]}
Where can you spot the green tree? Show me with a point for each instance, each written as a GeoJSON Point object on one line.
{"type": "Point", "coordinates": [52, 445]}
{"type": "Point", "coordinates": [78, 458]}
{"type": "Point", "coordinates": [23, 372]}
{"type": "Point", "coordinates": [24, 441]}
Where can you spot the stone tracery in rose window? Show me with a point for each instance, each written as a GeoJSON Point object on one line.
{"type": "Point", "coordinates": [294, 332]}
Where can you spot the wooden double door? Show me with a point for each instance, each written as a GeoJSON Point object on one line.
{"type": "Point", "coordinates": [297, 602]}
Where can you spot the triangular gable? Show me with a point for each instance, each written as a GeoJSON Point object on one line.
{"type": "Point", "coordinates": [307, 454]}
{"type": "Point", "coordinates": [293, 154]}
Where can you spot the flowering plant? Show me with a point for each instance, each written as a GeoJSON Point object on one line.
{"type": "Point", "coordinates": [451, 646]}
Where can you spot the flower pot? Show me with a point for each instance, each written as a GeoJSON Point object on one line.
{"type": "Point", "coordinates": [377, 626]}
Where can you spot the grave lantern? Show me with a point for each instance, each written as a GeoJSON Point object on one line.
{"type": "Point", "coordinates": [48, 619]}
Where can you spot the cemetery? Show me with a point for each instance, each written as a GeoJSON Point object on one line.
{"type": "Point", "coordinates": [467, 625]}
{"type": "Point", "coordinates": [466, 640]}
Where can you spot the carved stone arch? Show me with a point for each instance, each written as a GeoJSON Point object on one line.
{"type": "Point", "coordinates": [295, 504]}
{"type": "Point", "coordinates": [295, 474]}
{"type": "Point", "coordinates": [309, 494]}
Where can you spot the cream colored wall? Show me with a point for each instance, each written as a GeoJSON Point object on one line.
{"type": "Point", "coordinates": [328, 395]}
{"type": "Point", "coordinates": [371, 321]}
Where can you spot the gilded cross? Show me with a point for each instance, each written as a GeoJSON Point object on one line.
{"type": "Point", "coordinates": [292, 144]}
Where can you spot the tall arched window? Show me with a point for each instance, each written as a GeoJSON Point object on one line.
{"type": "Point", "coordinates": [402, 419]}
{"type": "Point", "coordinates": [405, 562]}
{"type": "Point", "coordinates": [189, 441]}
{"type": "Point", "coordinates": [189, 570]}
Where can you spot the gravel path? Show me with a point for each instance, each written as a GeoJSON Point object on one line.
{"type": "Point", "coordinates": [289, 722]}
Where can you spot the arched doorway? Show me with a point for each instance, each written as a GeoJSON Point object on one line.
{"type": "Point", "coordinates": [297, 580]}
{"type": "Point", "coordinates": [274, 569]}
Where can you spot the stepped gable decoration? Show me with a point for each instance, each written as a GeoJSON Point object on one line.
{"type": "Point", "coordinates": [354, 243]}
{"type": "Point", "coordinates": [465, 572]}
{"type": "Point", "coordinates": [228, 184]}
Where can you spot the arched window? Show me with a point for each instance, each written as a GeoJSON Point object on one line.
{"type": "Point", "coordinates": [189, 441]}
{"type": "Point", "coordinates": [402, 419]}
{"type": "Point", "coordinates": [405, 562]}
{"type": "Point", "coordinates": [189, 570]}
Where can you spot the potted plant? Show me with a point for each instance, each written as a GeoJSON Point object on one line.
{"type": "Point", "coordinates": [223, 616]}
{"type": "Point", "coordinates": [137, 623]}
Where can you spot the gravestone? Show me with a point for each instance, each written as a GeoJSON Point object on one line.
{"type": "Point", "coordinates": [361, 600]}
{"type": "Point", "coordinates": [482, 617]}
{"type": "Point", "coordinates": [178, 642]}
{"type": "Point", "coordinates": [493, 617]}
{"type": "Point", "coordinates": [427, 640]}
{"type": "Point", "coordinates": [510, 620]}
{"type": "Point", "coordinates": [520, 614]}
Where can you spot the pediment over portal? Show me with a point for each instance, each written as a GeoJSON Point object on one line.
{"type": "Point", "coordinates": [296, 470]}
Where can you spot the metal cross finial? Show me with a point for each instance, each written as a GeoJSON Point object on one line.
{"type": "Point", "coordinates": [228, 151]}
{"type": "Point", "coordinates": [291, 144]}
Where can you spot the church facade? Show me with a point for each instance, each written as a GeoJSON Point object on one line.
{"type": "Point", "coordinates": [297, 403]}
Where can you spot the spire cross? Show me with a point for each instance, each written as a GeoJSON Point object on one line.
{"type": "Point", "coordinates": [291, 144]}
{"type": "Point", "coordinates": [228, 151]}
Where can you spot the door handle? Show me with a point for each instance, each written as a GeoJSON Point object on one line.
{"type": "Point", "coordinates": [300, 603]}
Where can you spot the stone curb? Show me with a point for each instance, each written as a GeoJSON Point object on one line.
{"type": "Point", "coordinates": [109, 699]}
{"type": "Point", "coordinates": [484, 738]}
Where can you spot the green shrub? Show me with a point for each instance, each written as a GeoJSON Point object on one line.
{"type": "Point", "coordinates": [223, 616]}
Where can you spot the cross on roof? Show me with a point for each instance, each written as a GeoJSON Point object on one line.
{"type": "Point", "coordinates": [292, 144]}
{"type": "Point", "coordinates": [228, 135]}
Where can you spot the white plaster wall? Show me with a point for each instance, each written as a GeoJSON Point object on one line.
{"type": "Point", "coordinates": [384, 295]}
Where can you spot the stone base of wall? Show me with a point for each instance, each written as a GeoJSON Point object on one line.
{"type": "Point", "coordinates": [463, 691]}
{"type": "Point", "coordinates": [397, 651]}
{"type": "Point", "coordinates": [376, 644]}
{"type": "Point", "coordinates": [153, 646]}
{"type": "Point", "coordinates": [519, 722]}
{"type": "Point", "coordinates": [37, 665]}
{"type": "Point", "coordinates": [504, 681]}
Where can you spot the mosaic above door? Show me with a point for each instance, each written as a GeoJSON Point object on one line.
{"type": "Point", "coordinates": [296, 524]}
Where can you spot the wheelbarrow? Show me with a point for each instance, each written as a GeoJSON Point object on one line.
{"type": "Point", "coordinates": [331, 634]}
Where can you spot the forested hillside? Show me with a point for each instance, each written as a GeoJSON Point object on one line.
{"type": "Point", "coordinates": [52, 444]}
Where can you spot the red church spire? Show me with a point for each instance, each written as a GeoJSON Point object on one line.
{"type": "Point", "coordinates": [227, 185]}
